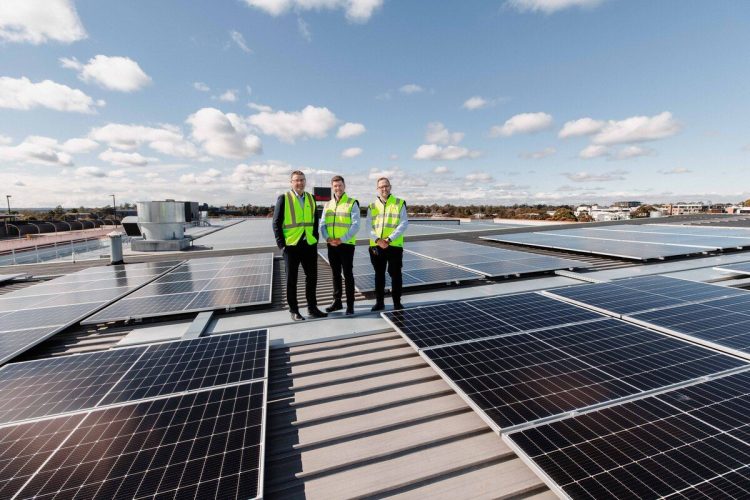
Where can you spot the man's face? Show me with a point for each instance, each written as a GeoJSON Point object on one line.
{"type": "Point", "coordinates": [298, 183]}
{"type": "Point", "coordinates": [384, 189]}
{"type": "Point", "coordinates": [338, 188]}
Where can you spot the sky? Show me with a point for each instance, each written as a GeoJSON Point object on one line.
{"type": "Point", "coordinates": [456, 101]}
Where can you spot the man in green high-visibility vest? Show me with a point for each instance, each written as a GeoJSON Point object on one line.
{"type": "Point", "coordinates": [295, 227]}
{"type": "Point", "coordinates": [388, 221]}
{"type": "Point", "coordinates": [339, 227]}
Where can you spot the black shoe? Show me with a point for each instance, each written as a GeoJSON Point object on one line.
{"type": "Point", "coordinates": [377, 307]}
{"type": "Point", "coordinates": [296, 316]}
{"type": "Point", "coordinates": [349, 310]}
{"type": "Point", "coordinates": [397, 306]}
{"type": "Point", "coordinates": [336, 306]}
{"type": "Point", "coordinates": [316, 313]}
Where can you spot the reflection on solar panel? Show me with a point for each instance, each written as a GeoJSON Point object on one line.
{"type": "Point", "coordinates": [517, 379]}
{"type": "Point", "coordinates": [33, 314]}
{"type": "Point", "coordinates": [690, 442]}
{"type": "Point", "coordinates": [723, 324]}
{"type": "Point", "coordinates": [417, 271]}
{"type": "Point", "coordinates": [635, 249]}
{"type": "Point", "coordinates": [207, 444]}
{"type": "Point", "coordinates": [198, 285]}
{"type": "Point", "coordinates": [631, 295]}
{"type": "Point", "coordinates": [10, 277]}
{"type": "Point", "coordinates": [741, 268]}
{"type": "Point", "coordinates": [440, 324]}
{"type": "Point", "coordinates": [488, 260]}
{"type": "Point", "coordinates": [70, 383]}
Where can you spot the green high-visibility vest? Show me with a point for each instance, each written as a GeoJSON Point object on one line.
{"type": "Point", "coordinates": [299, 220]}
{"type": "Point", "coordinates": [386, 218]}
{"type": "Point", "coordinates": [338, 217]}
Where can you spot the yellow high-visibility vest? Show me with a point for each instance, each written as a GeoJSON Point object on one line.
{"type": "Point", "coordinates": [338, 218]}
{"type": "Point", "coordinates": [299, 220]}
{"type": "Point", "coordinates": [386, 218]}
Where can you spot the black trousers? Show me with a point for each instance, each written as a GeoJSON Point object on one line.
{"type": "Point", "coordinates": [392, 259]}
{"type": "Point", "coordinates": [341, 259]}
{"type": "Point", "coordinates": [307, 255]}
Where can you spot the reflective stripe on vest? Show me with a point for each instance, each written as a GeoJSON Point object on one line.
{"type": "Point", "coordinates": [338, 218]}
{"type": "Point", "coordinates": [386, 218]}
{"type": "Point", "coordinates": [298, 220]}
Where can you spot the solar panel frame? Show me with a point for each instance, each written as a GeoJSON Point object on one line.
{"type": "Point", "coordinates": [738, 268]}
{"type": "Point", "coordinates": [583, 460]}
{"type": "Point", "coordinates": [11, 277]}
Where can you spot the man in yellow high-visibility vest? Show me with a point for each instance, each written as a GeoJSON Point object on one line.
{"type": "Point", "coordinates": [339, 227]}
{"type": "Point", "coordinates": [388, 220]}
{"type": "Point", "coordinates": [295, 227]}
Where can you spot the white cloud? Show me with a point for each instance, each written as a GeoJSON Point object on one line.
{"type": "Point", "coordinates": [438, 134]}
{"type": "Point", "coordinates": [202, 87]}
{"type": "Point", "coordinates": [351, 152]}
{"type": "Point", "coordinates": [476, 102]}
{"type": "Point", "coordinates": [356, 10]}
{"type": "Point", "coordinates": [410, 88]}
{"type": "Point", "coordinates": [478, 178]}
{"type": "Point", "coordinates": [272, 175]}
{"type": "Point", "coordinates": [259, 107]}
{"type": "Point", "coordinates": [228, 96]}
{"type": "Point", "coordinates": [538, 155]}
{"type": "Point", "coordinates": [633, 152]}
{"type": "Point", "coordinates": [4, 139]}
{"type": "Point", "coordinates": [39, 21]}
{"type": "Point", "coordinates": [38, 150]}
{"type": "Point", "coordinates": [90, 172]}
{"type": "Point", "coordinates": [524, 123]}
{"type": "Point", "coordinates": [638, 129]}
{"type": "Point", "coordinates": [239, 41]}
{"type": "Point", "coordinates": [224, 135]}
{"type": "Point", "coordinates": [110, 72]}
{"type": "Point", "coordinates": [311, 122]}
{"type": "Point", "coordinates": [304, 29]}
{"type": "Point", "coordinates": [166, 139]}
{"type": "Point", "coordinates": [79, 146]}
{"type": "Point", "coordinates": [676, 171]}
{"type": "Point", "coordinates": [125, 159]}
{"type": "Point", "coordinates": [549, 6]}
{"type": "Point", "coordinates": [614, 175]}
{"type": "Point", "coordinates": [393, 157]}
{"type": "Point", "coordinates": [441, 170]}
{"type": "Point", "coordinates": [21, 93]}
{"type": "Point", "coordinates": [210, 176]}
{"type": "Point", "coordinates": [593, 151]}
{"type": "Point", "coordinates": [582, 126]}
{"type": "Point", "coordinates": [349, 129]}
{"type": "Point", "coordinates": [444, 153]}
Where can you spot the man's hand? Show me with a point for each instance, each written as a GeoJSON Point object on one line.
{"type": "Point", "coordinates": [383, 244]}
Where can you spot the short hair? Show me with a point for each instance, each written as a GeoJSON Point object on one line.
{"type": "Point", "coordinates": [337, 178]}
{"type": "Point", "coordinates": [296, 172]}
{"type": "Point", "coordinates": [383, 179]}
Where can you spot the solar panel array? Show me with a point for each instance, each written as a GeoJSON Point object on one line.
{"type": "Point", "coordinates": [741, 268]}
{"type": "Point", "coordinates": [183, 418]}
{"type": "Point", "coordinates": [490, 261]}
{"type": "Point", "coordinates": [33, 314]}
{"type": "Point", "coordinates": [693, 442]}
{"type": "Point", "coordinates": [521, 358]}
{"type": "Point", "coordinates": [713, 315]}
{"type": "Point", "coordinates": [639, 242]}
{"type": "Point", "coordinates": [198, 285]}
{"type": "Point", "coordinates": [417, 271]}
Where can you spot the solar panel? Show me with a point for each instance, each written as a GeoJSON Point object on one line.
{"type": "Point", "coordinates": [198, 285]}
{"type": "Point", "coordinates": [515, 380]}
{"type": "Point", "coordinates": [65, 384]}
{"type": "Point", "coordinates": [206, 444]}
{"type": "Point", "coordinates": [11, 277]}
{"type": "Point", "coordinates": [632, 295]}
{"type": "Point", "coordinates": [741, 268]}
{"type": "Point", "coordinates": [416, 271]}
{"type": "Point", "coordinates": [690, 442]}
{"type": "Point", "coordinates": [635, 249]}
{"type": "Point", "coordinates": [431, 326]}
{"type": "Point", "coordinates": [489, 261]}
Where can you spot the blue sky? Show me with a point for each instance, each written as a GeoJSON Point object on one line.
{"type": "Point", "coordinates": [492, 101]}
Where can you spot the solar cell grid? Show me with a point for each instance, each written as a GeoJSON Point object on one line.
{"type": "Point", "coordinates": [58, 385]}
{"type": "Point", "coordinates": [688, 442]}
{"type": "Point", "coordinates": [200, 445]}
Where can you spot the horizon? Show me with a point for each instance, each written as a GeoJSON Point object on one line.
{"type": "Point", "coordinates": [557, 102]}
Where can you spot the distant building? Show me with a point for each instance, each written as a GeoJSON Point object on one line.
{"type": "Point", "coordinates": [736, 209]}
{"type": "Point", "coordinates": [686, 208]}
{"type": "Point", "coordinates": [603, 214]}
{"type": "Point", "coordinates": [627, 204]}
